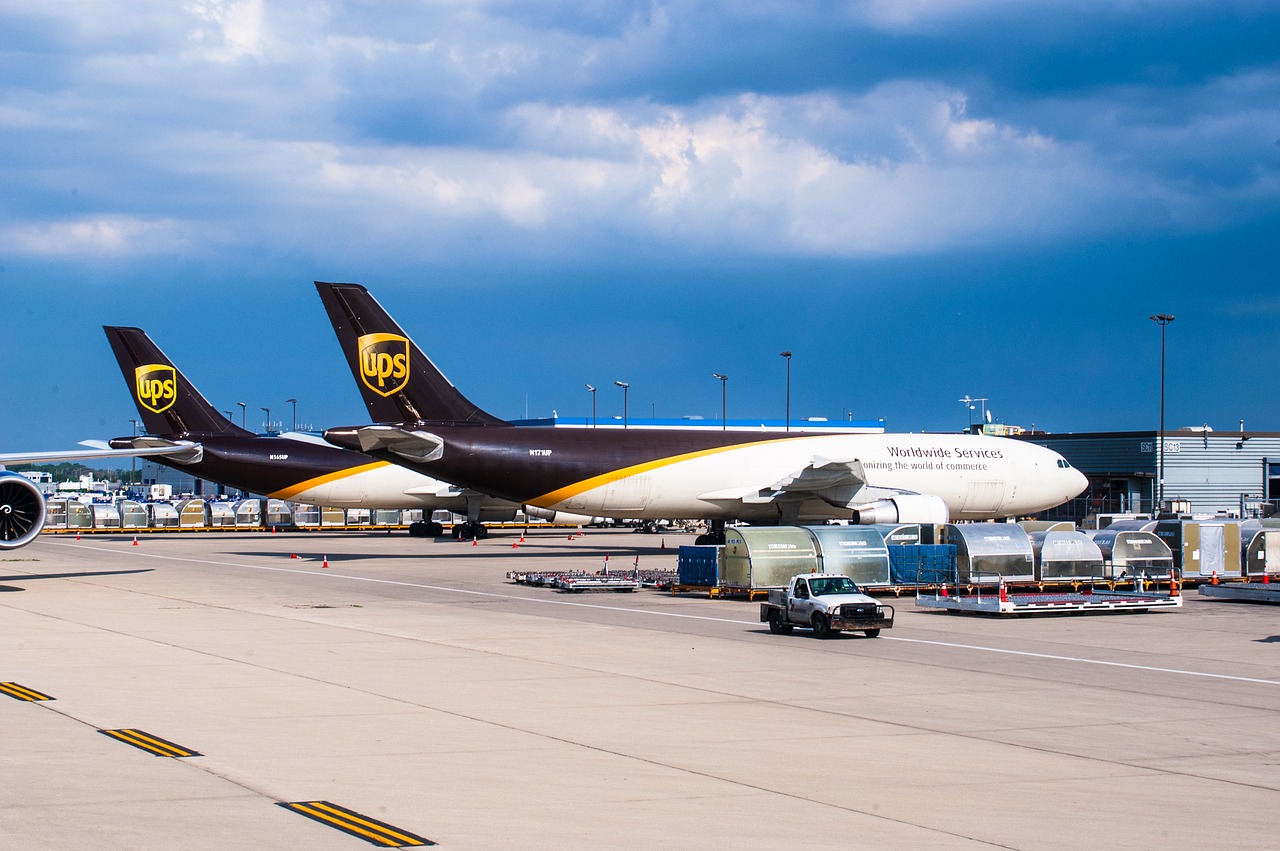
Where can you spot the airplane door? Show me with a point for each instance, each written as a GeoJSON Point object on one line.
{"type": "Point", "coordinates": [630, 493]}
{"type": "Point", "coordinates": [983, 497]}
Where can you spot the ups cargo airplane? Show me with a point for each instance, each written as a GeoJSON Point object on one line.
{"type": "Point", "coordinates": [423, 422]}
{"type": "Point", "coordinates": [185, 432]}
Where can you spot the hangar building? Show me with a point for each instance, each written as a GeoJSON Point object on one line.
{"type": "Point", "coordinates": [1215, 472]}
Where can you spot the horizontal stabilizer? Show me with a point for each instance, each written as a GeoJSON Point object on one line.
{"type": "Point", "coordinates": [414, 445]}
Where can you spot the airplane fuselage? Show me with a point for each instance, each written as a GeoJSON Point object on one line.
{"type": "Point", "coordinates": [734, 475]}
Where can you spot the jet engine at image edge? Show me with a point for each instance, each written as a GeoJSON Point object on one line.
{"type": "Point", "coordinates": [22, 511]}
{"type": "Point", "coordinates": [907, 508]}
{"type": "Point", "coordinates": [563, 518]}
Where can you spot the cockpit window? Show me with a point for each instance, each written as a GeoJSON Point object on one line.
{"type": "Point", "coordinates": [1064, 463]}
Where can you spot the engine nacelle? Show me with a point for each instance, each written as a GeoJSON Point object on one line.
{"type": "Point", "coordinates": [22, 511]}
{"type": "Point", "coordinates": [560, 518]}
{"type": "Point", "coordinates": [907, 508]}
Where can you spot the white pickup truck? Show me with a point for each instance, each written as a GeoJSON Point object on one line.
{"type": "Point", "coordinates": [826, 603]}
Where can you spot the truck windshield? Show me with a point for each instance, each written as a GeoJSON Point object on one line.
{"type": "Point", "coordinates": [833, 585]}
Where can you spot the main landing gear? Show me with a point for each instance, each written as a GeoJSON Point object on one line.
{"type": "Point", "coordinates": [714, 535]}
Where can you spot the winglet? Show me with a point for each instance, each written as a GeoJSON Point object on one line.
{"type": "Point", "coordinates": [397, 381]}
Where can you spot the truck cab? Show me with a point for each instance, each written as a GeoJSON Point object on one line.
{"type": "Point", "coordinates": [825, 603]}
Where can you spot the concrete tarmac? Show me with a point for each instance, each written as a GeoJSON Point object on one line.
{"type": "Point", "coordinates": [412, 683]}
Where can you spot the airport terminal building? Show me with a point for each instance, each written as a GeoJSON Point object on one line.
{"type": "Point", "coordinates": [1205, 471]}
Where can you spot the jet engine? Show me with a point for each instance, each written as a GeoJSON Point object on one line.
{"type": "Point", "coordinates": [562, 518]}
{"type": "Point", "coordinates": [906, 508]}
{"type": "Point", "coordinates": [21, 511]}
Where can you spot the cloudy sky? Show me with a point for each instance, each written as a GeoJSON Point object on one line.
{"type": "Point", "coordinates": [921, 199]}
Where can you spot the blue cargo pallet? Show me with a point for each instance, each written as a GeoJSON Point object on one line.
{"type": "Point", "coordinates": [922, 564]}
{"type": "Point", "coordinates": [698, 566]}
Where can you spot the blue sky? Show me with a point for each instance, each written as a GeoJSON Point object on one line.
{"type": "Point", "coordinates": [922, 200]}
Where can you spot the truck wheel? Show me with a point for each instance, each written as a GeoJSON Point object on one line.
{"type": "Point", "coordinates": [871, 633]}
{"type": "Point", "coordinates": [821, 626]}
{"type": "Point", "coordinates": [777, 625]}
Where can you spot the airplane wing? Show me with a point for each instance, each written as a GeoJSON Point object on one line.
{"type": "Point", "coordinates": [839, 482]}
{"type": "Point", "coordinates": [99, 450]}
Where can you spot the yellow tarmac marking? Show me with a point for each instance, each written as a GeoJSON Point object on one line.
{"type": "Point", "coordinates": [21, 692]}
{"type": "Point", "coordinates": [149, 743]}
{"type": "Point", "coordinates": [349, 821]}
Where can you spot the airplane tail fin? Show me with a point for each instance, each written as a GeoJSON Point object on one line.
{"type": "Point", "coordinates": [398, 382]}
{"type": "Point", "coordinates": [168, 402]}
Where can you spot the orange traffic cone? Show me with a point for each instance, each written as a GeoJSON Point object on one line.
{"type": "Point", "coordinates": [475, 542]}
{"type": "Point", "coordinates": [1173, 585]}
{"type": "Point", "coordinates": [77, 536]}
{"type": "Point", "coordinates": [325, 563]}
{"type": "Point", "coordinates": [515, 545]}
{"type": "Point", "coordinates": [273, 530]}
{"type": "Point", "coordinates": [135, 540]}
{"type": "Point", "coordinates": [945, 592]}
{"type": "Point", "coordinates": [1004, 592]}
{"type": "Point", "coordinates": [1266, 578]}
{"type": "Point", "coordinates": [1213, 580]}
{"type": "Point", "coordinates": [295, 555]}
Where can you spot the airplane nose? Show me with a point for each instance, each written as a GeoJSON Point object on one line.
{"type": "Point", "coordinates": [1076, 483]}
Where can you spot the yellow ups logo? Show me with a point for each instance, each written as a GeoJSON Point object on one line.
{"type": "Point", "coordinates": [157, 386]}
{"type": "Point", "coordinates": [384, 362]}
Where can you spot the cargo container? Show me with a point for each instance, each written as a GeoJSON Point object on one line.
{"type": "Point", "coordinates": [989, 552]}
{"type": "Point", "coordinates": [1065, 556]}
{"type": "Point", "coordinates": [698, 566]}
{"type": "Point", "coordinates": [1203, 547]}
{"type": "Point", "coordinates": [133, 514]}
{"type": "Point", "coordinates": [922, 564]}
{"type": "Point", "coordinates": [858, 552]}
{"type": "Point", "coordinates": [1130, 553]}
{"type": "Point", "coordinates": [766, 556]}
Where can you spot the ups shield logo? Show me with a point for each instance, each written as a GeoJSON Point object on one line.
{"type": "Point", "coordinates": [157, 386]}
{"type": "Point", "coordinates": [384, 362]}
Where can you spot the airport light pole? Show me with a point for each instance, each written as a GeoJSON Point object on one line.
{"type": "Point", "coordinates": [724, 382]}
{"type": "Point", "coordinates": [133, 475]}
{"type": "Point", "coordinates": [624, 385]}
{"type": "Point", "coordinates": [787, 355]}
{"type": "Point", "coordinates": [229, 419]}
{"type": "Point", "coordinates": [242, 410]}
{"type": "Point", "coordinates": [968, 404]}
{"type": "Point", "coordinates": [294, 402]}
{"type": "Point", "coordinates": [268, 413]}
{"type": "Point", "coordinates": [592, 390]}
{"type": "Point", "coordinates": [1163, 320]}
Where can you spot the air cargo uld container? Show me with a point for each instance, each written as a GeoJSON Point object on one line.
{"type": "Point", "coordinates": [1129, 552]}
{"type": "Point", "coordinates": [1203, 547]}
{"type": "Point", "coordinates": [249, 514]}
{"type": "Point", "coordinates": [858, 552]}
{"type": "Point", "coordinates": [162, 515]}
{"type": "Point", "coordinates": [193, 514]}
{"type": "Point", "coordinates": [698, 566]}
{"type": "Point", "coordinates": [766, 556]}
{"type": "Point", "coordinates": [989, 552]}
{"type": "Point", "coordinates": [922, 564]}
{"type": "Point", "coordinates": [133, 514]}
{"type": "Point", "coordinates": [1062, 555]}
{"type": "Point", "coordinates": [901, 534]}
{"type": "Point", "coordinates": [106, 515]}
{"type": "Point", "coordinates": [1260, 544]}
{"type": "Point", "coordinates": [222, 515]}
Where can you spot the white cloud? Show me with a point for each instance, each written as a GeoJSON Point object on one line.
{"type": "Point", "coordinates": [95, 236]}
